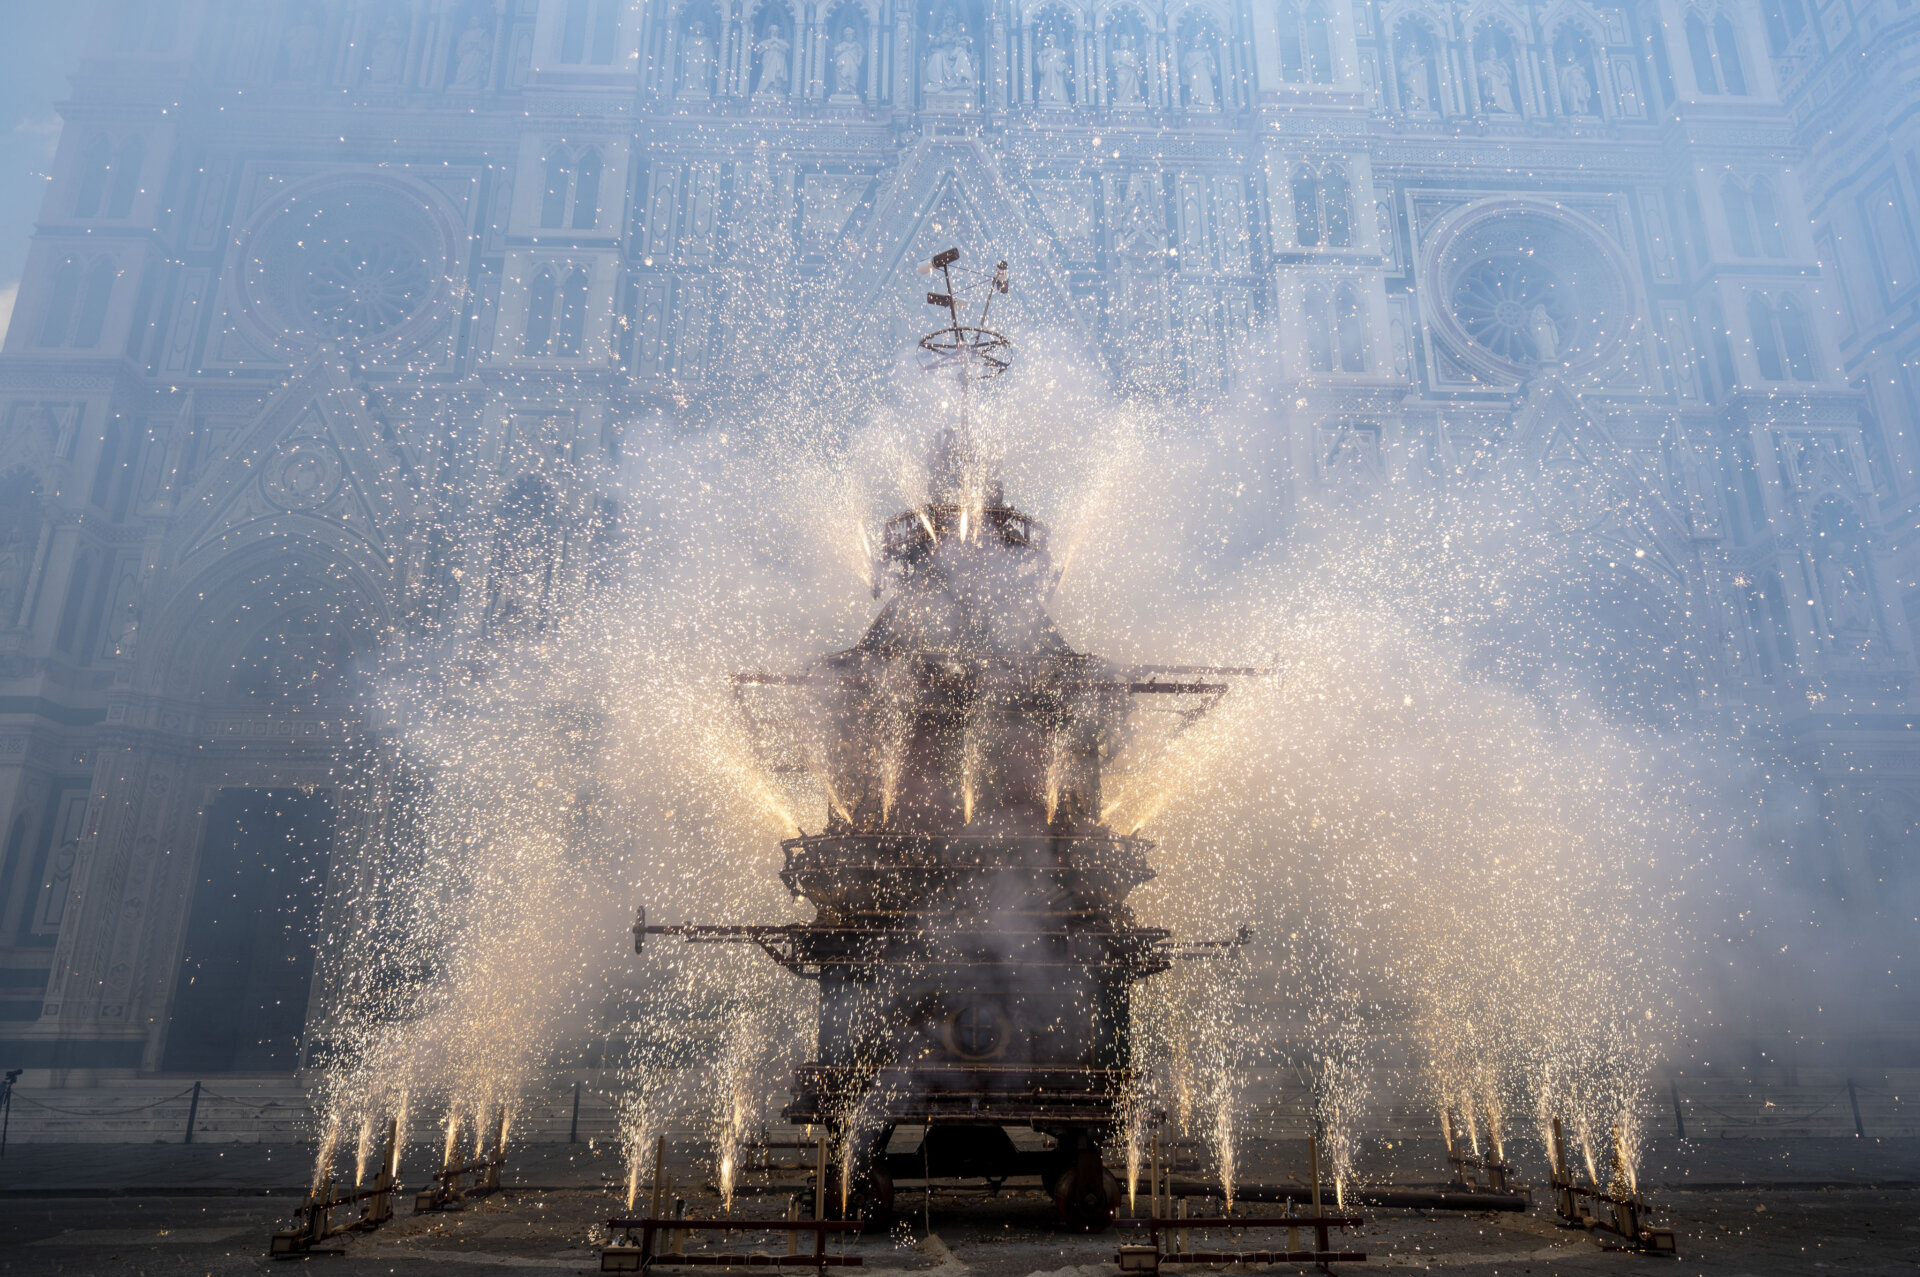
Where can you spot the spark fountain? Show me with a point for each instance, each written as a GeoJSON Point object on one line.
{"type": "Point", "coordinates": [971, 894]}
{"type": "Point", "coordinates": [971, 939]}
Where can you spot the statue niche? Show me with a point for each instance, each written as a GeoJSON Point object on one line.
{"type": "Point", "coordinates": [1576, 73]}
{"type": "Point", "coordinates": [950, 69]}
{"type": "Point", "coordinates": [1200, 66]}
{"type": "Point", "coordinates": [699, 53]}
{"type": "Point", "coordinates": [386, 63]}
{"type": "Point", "coordinates": [1129, 54]}
{"type": "Point", "coordinates": [1416, 69]}
{"type": "Point", "coordinates": [471, 67]}
{"type": "Point", "coordinates": [847, 58]}
{"type": "Point", "coordinates": [1054, 41]}
{"type": "Point", "coordinates": [301, 40]}
{"type": "Point", "coordinates": [772, 55]}
{"type": "Point", "coordinates": [1496, 70]}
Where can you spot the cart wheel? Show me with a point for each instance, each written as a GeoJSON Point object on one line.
{"type": "Point", "coordinates": [1086, 1194]}
{"type": "Point", "coordinates": [872, 1203]}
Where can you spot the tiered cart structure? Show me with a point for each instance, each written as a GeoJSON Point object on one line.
{"type": "Point", "coordinates": [972, 940]}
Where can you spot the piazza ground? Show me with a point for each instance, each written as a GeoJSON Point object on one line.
{"type": "Point", "coordinates": [1739, 1206]}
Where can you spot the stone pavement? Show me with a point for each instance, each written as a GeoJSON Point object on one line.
{"type": "Point", "coordinates": [1739, 1206]}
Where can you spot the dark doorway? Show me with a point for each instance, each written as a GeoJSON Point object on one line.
{"type": "Point", "coordinates": [240, 1001]}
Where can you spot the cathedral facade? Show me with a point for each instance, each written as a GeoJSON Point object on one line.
{"type": "Point", "coordinates": [336, 307]}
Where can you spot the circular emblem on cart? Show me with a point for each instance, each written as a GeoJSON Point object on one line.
{"type": "Point", "coordinates": [977, 1031]}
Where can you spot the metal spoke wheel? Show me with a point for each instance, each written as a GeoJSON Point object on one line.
{"type": "Point", "coordinates": [1086, 1193]}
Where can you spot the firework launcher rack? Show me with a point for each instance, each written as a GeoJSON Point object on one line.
{"type": "Point", "coordinates": [635, 1246]}
{"type": "Point", "coordinates": [451, 1188]}
{"type": "Point", "coordinates": [1469, 1164]}
{"type": "Point", "coordinates": [1622, 1220]}
{"type": "Point", "coordinates": [315, 1214]}
{"type": "Point", "coordinates": [1167, 1217]}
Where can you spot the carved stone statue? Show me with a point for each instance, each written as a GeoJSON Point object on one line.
{"type": "Point", "coordinates": [473, 57]}
{"type": "Point", "coordinates": [1496, 86]}
{"type": "Point", "coordinates": [302, 45]}
{"type": "Point", "coordinates": [696, 62]}
{"type": "Point", "coordinates": [1050, 67]}
{"type": "Point", "coordinates": [848, 57]}
{"type": "Point", "coordinates": [1200, 68]}
{"type": "Point", "coordinates": [1125, 60]}
{"type": "Point", "coordinates": [1545, 334]}
{"type": "Point", "coordinates": [950, 66]}
{"type": "Point", "coordinates": [387, 58]}
{"type": "Point", "coordinates": [773, 49]}
{"type": "Point", "coordinates": [1413, 81]}
{"type": "Point", "coordinates": [1576, 91]}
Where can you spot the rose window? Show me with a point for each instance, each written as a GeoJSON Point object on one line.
{"type": "Point", "coordinates": [360, 290]}
{"type": "Point", "coordinates": [1499, 301]}
{"type": "Point", "coordinates": [350, 262]}
{"type": "Point", "coordinates": [1520, 286]}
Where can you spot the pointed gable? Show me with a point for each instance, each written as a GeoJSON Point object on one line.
{"type": "Point", "coordinates": [313, 464]}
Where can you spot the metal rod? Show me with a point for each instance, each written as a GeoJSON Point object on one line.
{"type": "Point", "coordinates": [679, 1260]}
{"type": "Point", "coordinates": [1396, 1198]}
{"type": "Point", "coordinates": [573, 1127]}
{"type": "Point", "coordinates": [6, 1105]}
{"type": "Point", "coordinates": [659, 1191]}
{"type": "Point", "coordinates": [820, 1181]}
{"type": "Point", "coordinates": [1313, 1158]}
{"type": "Point", "coordinates": [193, 1111]}
{"type": "Point", "coordinates": [1245, 1221]}
{"type": "Point", "coordinates": [1153, 1174]}
{"type": "Point", "coordinates": [681, 1223]}
{"type": "Point", "coordinates": [1265, 1257]}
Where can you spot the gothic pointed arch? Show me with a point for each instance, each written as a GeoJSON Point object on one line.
{"type": "Point", "coordinates": [1576, 47]}
{"type": "Point", "coordinates": [96, 170]}
{"type": "Point", "coordinates": [1797, 349]}
{"type": "Point", "coordinates": [1763, 327]}
{"type": "Point", "coordinates": [1500, 66]}
{"type": "Point", "coordinates": [1737, 206]}
{"type": "Point", "coordinates": [1130, 49]}
{"type": "Point", "coordinates": [541, 295]}
{"type": "Point", "coordinates": [128, 160]}
{"type": "Point", "coordinates": [1305, 29]}
{"type": "Point", "coordinates": [1417, 75]}
{"type": "Point", "coordinates": [63, 298]}
{"type": "Point", "coordinates": [586, 189]}
{"type": "Point", "coordinates": [558, 169]}
{"type": "Point", "coordinates": [314, 468]}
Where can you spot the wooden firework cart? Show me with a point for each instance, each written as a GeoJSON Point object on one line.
{"type": "Point", "coordinates": [971, 939]}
